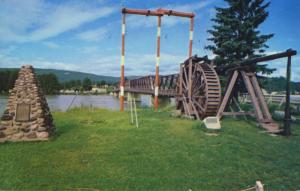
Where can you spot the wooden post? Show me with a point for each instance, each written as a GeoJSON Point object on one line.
{"type": "Point", "coordinates": [180, 79]}
{"type": "Point", "coordinates": [122, 81]}
{"type": "Point", "coordinates": [157, 64]}
{"type": "Point", "coordinates": [287, 115]}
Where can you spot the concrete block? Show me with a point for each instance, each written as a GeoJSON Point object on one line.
{"type": "Point", "coordinates": [212, 123]}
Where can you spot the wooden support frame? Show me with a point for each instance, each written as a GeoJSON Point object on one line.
{"type": "Point", "coordinates": [261, 111]}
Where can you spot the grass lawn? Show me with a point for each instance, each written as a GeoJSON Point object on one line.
{"type": "Point", "coordinates": [100, 150]}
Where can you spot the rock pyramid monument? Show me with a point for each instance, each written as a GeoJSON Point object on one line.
{"type": "Point", "coordinates": [27, 116]}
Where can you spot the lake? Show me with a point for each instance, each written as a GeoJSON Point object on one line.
{"type": "Point", "coordinates": [62, 102]}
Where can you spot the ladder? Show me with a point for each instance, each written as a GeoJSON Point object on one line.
{"type": "Point", "coordinates": [133, 111]}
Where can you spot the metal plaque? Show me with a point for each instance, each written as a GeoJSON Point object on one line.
{"type": "Point", "coordinates": [23, 112]}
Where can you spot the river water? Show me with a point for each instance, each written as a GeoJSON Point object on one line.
{"type": "Point", "coordinates": [63, 102]}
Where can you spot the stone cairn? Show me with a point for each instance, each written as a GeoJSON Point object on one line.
{"type": "Point", "coordinates": [27, 116]}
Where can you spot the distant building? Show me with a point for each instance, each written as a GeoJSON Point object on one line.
{"type": "Point", "coordinates": [67, 91]}
{"type": "Point", "coordinates": [98, 90]}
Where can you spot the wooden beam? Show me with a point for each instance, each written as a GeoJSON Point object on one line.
{"type": "Point", "coordinates": [227, 94]}
{"type": "Point", "coordinates": [261, 98]}
{"type": "Point", "coordinates": [141, 12]}
{"type": "Point", "coordinates": [238, 113]}
{"type": "Point", "coordinates": [251, 61]}
{"type": "Point", "coordinates": [251, 92]}
{"type": "Point", "coordinates": [175, 13]}
{"type": "Point", "coordinates": [287, 53]}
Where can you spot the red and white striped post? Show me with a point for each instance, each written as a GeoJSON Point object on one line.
{"type": "Point", "coordinates": [122, 81]}
{"type": "Point", "coordinates": [191, 36]}
{"type": "Point", "coordinates": [157, 64]}
{"type": "Point", "coordinates": [190, 55]}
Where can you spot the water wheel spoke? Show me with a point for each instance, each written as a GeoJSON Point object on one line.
{"type": "Point", "coordinates": [202, 110]}
{"type": "Point", "coordinates": [195, 110]}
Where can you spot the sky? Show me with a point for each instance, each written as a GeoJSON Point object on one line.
{"type": "Point", "coordinates": [85, 35]}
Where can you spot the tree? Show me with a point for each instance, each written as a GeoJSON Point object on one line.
{"type": "Point", "coordinates": [87, 84]}
{"type": "Point", "coordinates": [49, 83]}
{"type": "Point", "coordinates": [235, 35]}
{"type": "Point", "coordinates": [7, 80]}
{"type": "Point", "coordinates": [103, 82]}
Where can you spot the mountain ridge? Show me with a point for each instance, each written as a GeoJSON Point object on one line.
{"type": "Point", "coordinates": [67, 75]}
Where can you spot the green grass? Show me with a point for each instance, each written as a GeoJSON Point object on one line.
{"type": "Point", "coordinates": [99, 149]}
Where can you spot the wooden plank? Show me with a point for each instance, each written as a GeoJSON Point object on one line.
{"type": "Point", "coordinates": [227, 94]}
{"type": "Point", "coordinates": [239, 113]}
{"type": "Point", "coordinates": [254, 100]}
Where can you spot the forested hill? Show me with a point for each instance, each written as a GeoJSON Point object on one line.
{"type": "Point", "coordinates": [270, 84]}
{"type": "Point", "coordinates": [64, 75]}
{"type": "Point", "coordinates": [276, 84]}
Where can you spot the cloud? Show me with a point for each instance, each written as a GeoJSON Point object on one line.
{"type": "Point", "coordinates": [135, 64]}
{"type": "Point", "coordinates": [50, 44]}
{"type": "Point", "coordinates": [167, 21]}
{"type": "Point", "coordinates": [93, 35]}
{"type": "Point", "coordinates": [90, 49]}
{"type": "Point", "coordinates": [35, 20]}
{"type": "Point", "coordinates": [14, 62]}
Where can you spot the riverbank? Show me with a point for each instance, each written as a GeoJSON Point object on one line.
{"type": "Point", "coordinates": [98, 149]}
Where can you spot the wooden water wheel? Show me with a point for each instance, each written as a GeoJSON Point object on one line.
{"type": "Point", "coordinates": [199, 94]}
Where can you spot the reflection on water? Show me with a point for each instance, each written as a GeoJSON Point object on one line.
{"type": "Point", "coordinates": [62, 102]}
